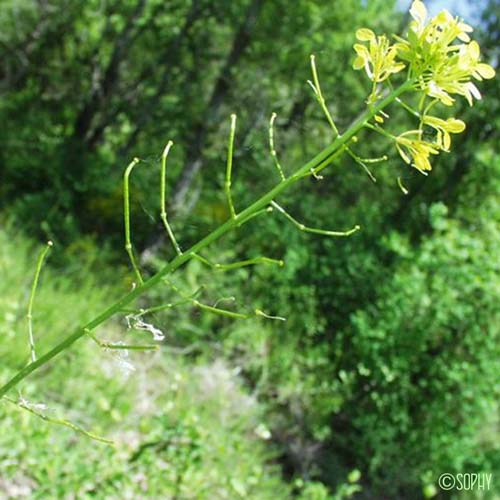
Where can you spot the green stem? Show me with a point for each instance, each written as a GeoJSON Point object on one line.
{"type": "Point", "coordinates": [163, 203]}
{"type": "Point", "coordinates": [238, 264]}
{"type": "Point", "coordinates": [127, 347]}
{"type": "Point", "coordinates": [272, 149]}
{"type": "Point", "coordinates": [410, 110]}
{"type": "Point", "coordinates": [126, 216]}
{"type": "Point", "coordinates": [229, 167]}
{"type": "Point", "coordinates": [29, 316]}
{"type": "Point", "coordinates": [213, 309]}
{"type": "Point", "coordinates": [381, 131]}
{"type": "Point", "coordinates": [360, 161]}
{"type": "Point", "coordinates": [421, 107]}
{"type": "Point", "coordinates": [313, 230]}
{"type": "Point", "coordinates": [60, 421]}
{"type": "Point", "coordinates": [226, 227]}
{"type": "Point", "coordinates": [319, 96]}
{"type": "Point", "coordinates": [318, 168]}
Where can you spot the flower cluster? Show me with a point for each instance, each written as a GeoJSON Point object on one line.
{"type": "Point", "coordinates": [441, 60]}
{"type": "Point", "coordinates": [440, 66]}
{"type": "Point", "coordinates": [443, 129]}
{"type": "Point", "coordinates": [378, 58]}
{"type": "Point", "coordinates": [416, 151]}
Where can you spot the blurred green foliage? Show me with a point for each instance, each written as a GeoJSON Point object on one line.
{"type": "Point", "coordinates": [86, 85]}
{"type": "Point", "coordinates": [388, 360]}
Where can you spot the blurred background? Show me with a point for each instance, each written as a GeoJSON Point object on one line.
{"type": "Point", "coordinates": [385, 374]}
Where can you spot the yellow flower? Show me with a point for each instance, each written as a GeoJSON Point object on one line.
{"type": "Point", "coordinates": [378, 59]}
{"type": "Point", "coordinates": [454, 75]}
{"type": "Point", "coordinates": [419, 14]}
{"type": "Point", "coordinates": [441, 61]}
{"type": "Point", "coordinates": [416, 151]}
{"type": "Point", "coordinates": [444, 128]}
{"type": "Point", "coordinates": [439, 64]}
{"type": "Point", "coordinates": [443, 27]}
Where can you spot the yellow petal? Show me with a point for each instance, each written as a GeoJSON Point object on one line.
{"type": "Point", "coordinates": [464, 37]}
{"type": "Point", "coordinates": [442, 17]}
{"type": "Point", "coordinates": [396, 68]}
{"type": "Point", "coordinates": [418, 11]}
{"type": "Point", "coordinates": [468, 96]}
{"type": "Point", "coordinates": [435, 122]}
{"type": "Point", "coordinates": [485, 70]}
{"type": "Point", "coordinates": [473, 49]}
{"type": "Point", "coordinates": [362, 51]}
{"type": "Point", "coordinates": [455, 126]}
{"type": "Point", "coordinates": [403, 154]}
{"type": "Point", "coordinates": [474, 90]}
{"type": "Point", "coordinates": [465, 27]}
{"type": "Point", "coordinates": [446, 141]}
{"type": "Point", "coordinates": [422, 163]}
{"type": "Point", "coordinates": [358, 63]}
{"type": "Point", "coordinates": [365, 35]}
{"type": "Point", "coordinates": [439, 93]}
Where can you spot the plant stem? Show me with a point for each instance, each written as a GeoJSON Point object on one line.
{"type": "Point", "coordinates": [321, 99]}
{"type": "Point", "coordinates": [238, 264]}
{"type": "Point", "coordinates": [314, 230]}
{"type": "Point", "coordinates": [272, 149]}
{"type": "Point", "coordinates": [231, 224]}
{"type": "Point", "coordinates": [126, 216]}
{"type": "Point", "coordinates": [60, 421]}
{"type": "Point", "coordinates": [163, 203]}
{"type": "Point", "coordinates": [29, 316]}
{"type": "Point", "coordinates": [229, 167]}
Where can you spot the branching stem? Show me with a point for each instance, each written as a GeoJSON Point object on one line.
{"type": "Point", "coordinates": [229, 225]}
{"type": "Point", "coordinates": [319, 95]}
{"type": "Point", "coordinates": [206, 307]}
{"type": "Point", "coordinates": [364, 161]}
{"type": "Point", "coordinates": [313, 230]}
{"type": "Point", "coordinates": [241, 263]}
{"type": "Point", "coordinates": [128, 347]}
{"type": "Point", "coordinates": [58, 421]}
{"type": "Point", "coordinates": [380, 130]}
